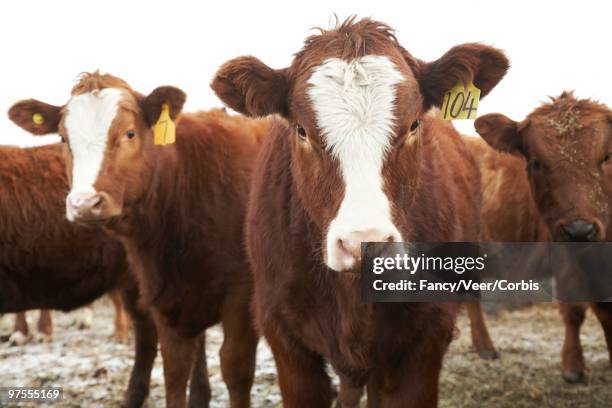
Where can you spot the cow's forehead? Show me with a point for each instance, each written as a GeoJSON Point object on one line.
{"type": "Point", "coordinates": [93, 110]}
{"type": "Point", "coordinates": [582, 142]}
{"type": "Point", "coordinates": [569, 128]}
{"type": "Point", "coordinates": [354, 101]}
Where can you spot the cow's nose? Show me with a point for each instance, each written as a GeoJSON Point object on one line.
{"type": "Point", "coordinates": [579, 230]}
{"type": "Point", "coordinates": [85, 200]}
{"type": "Point", "coordinates": [349, 245]}
{"type": "Point", "coordinates": [85, 205]}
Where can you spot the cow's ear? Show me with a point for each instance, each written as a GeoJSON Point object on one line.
{"type": "Point", "coordinates": [36, 117]}
{"type": "Point", "coordinates": [501, 132]}
{"type": "Point", "coordinates": [249, 86]}
{"type": "Point", "coordinates": [164, 95]}
{"type": "Point", "coordinates": [482, 65]}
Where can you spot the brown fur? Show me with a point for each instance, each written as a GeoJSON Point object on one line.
{"type": "Point", "coordinates": [179, 211]}
{"type": "Point", "coordinates": [558, 172]}
{"type": "Point", "coordinates": [509, 213]}
{"type": "Point", "coordinates": [46, 262]}
{"type": "Point", "coordinates": [39, 242]}
{"type": "Point", "coordinates": [308, 313]}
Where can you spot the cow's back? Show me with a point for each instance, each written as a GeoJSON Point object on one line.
{"type": "Point", "coordinates": [45, 261]}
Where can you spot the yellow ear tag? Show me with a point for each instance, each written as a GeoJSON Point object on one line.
{"type": "Point", "coordinates": [460, 102]}
{"type": "Point", "coordinates": [38, 119]}
{"type": "Point", "coordinates": [164, 131]}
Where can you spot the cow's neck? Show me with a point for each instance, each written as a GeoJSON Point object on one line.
{"type": "Point", "coordinates": [155, 216]}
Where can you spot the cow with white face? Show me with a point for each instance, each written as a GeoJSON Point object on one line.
{"type": "Point", "coordinates": [87, 123]}
{"type": "Point", "coordinates": [354, 157]}
{"type": "Point", "coordinates": [178, 209]}
{"type": "Point", "coordinates": [102, 126]}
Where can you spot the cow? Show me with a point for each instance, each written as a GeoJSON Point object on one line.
{"type": "Point", "coordinates": [84, 320]}
{"type": "Point", "coordinates": [178, 209]}
{"type": "Point", "coordinates": [549, 178]}
{"type": "Point", "coordinates": [353, 157]}
{"type": "Point", "coordinates": [47, 262]}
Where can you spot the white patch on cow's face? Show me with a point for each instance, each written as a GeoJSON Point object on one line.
{"type": "Point", "coordinates": [87, 122]}
{"type": "Point", "coordinates": [354, 102]}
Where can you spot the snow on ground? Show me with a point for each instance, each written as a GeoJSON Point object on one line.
{"type": "Point", "coordinates": [94, 369]}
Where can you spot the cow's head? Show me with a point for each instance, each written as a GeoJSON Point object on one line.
{"type": "Point", "coordinates": [567, 144]}
{"type": "Point", "coordinates": [106, 128]}
{"type": "Point", "coordinates": [353, 101]}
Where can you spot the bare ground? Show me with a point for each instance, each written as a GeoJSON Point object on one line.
{"type": "Point", "coordinates": [94, 369]}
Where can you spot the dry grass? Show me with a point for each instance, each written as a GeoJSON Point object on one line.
{"type": "Point", "coordinates": [528, 373]}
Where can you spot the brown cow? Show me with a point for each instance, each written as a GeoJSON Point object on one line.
{"type": "Point", "coordinates": [353, 158]}
{"type": "Point", "coordinates": [47, 262]}
{"type": "Point", "coordinates": [178, 209]}
{"type": "Point", "coordinates": [556, 184]}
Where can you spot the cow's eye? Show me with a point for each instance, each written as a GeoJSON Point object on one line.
{"type": "Point", "coordinates": [301, 132]}
{"type": "Point", "coordinates": [606, 159]}
{"type": "Point", "coordinates": [130, 134]}
{"type": "Point", "coordinates": [414, 126]}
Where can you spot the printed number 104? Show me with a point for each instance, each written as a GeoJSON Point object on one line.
{"type": "Point", "coordinates": [460, 103]}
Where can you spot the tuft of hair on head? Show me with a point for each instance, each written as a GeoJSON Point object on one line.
{"type": "Point", "coordinates": [566, 113]}
{"type": "Point", "coordinates": [351, 34]}
{"type": "Point", "coordinates": [568, 104]}
{"type": "Point", "coordinates": [92, 81]}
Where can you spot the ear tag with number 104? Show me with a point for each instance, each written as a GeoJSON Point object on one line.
{"type": "Point", "coordinates": [164, 131]}
{"type": "Point", "coordinates": [460, 102]}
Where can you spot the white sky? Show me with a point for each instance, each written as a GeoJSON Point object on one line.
{"type": "Point", "coordinates": [552, 45]}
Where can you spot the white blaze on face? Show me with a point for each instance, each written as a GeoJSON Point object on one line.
{"type": "Point", "coordinates": [354, 103]}
{"type": "Point", "coordinates": [87, 122]}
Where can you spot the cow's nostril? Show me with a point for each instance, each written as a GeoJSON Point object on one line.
{"type": "Point", "coordinates": [75, 201]}
{"type": "Point", "coordinates": [345, 245]}
{"type": "Point", "coordinates": [97, 202]}
{"type": "Point", "coordinates": [345, 249]}
{"type": "Point", "coordinates": [340, 245]}
{"type": "Point", "coordinates": [349, 248]}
